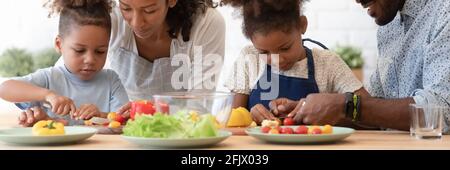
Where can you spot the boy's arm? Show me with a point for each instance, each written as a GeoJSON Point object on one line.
{"type": "Point", "coordinates": [19, 91]}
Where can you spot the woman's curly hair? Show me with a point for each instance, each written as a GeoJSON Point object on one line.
{"type": "Point", "coordinates": [81, 12]}
{"type": "Point", "coordinates": [264, 16]}
{"type": "Point", "coordinates": [181, 17]}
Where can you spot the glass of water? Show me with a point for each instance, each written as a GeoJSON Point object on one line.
{"type": "Point", "coordinates": [427, 121]}
{"type": "Point", "coordinates": [414, 110]}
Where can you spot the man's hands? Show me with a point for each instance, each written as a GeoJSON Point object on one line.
{"type": "Point", "coordinates": [319, 109]}
{"type": "Point", "coordinates": [315, 109]}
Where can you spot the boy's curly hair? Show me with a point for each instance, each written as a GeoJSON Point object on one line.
{"type": "Point", "coordinates": [264, 16]}
{"type": "Point", "coordinates": [81, 12]}
{"type": "Point", "coordinates": [181, 17]}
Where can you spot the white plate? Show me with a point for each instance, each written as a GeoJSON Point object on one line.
{"type": "Point", "coordinates": [339, 133]}
{"type": "Point", "coordinates": [23, 136]}
{"type": "Point", "coordinates": [178, 143]}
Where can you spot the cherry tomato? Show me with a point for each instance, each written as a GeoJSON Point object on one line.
{"type": "Point", "coordinates": [111, 116]}
{"type": "Point", "coordinates": [120, 119]}
{"type": "Point", "coordinates": [287, 130]}
{"type": "Point", "coordinates": [274, 131]}
{"type": "Point", "coordinates": [316, 131]}
{"type": "Point", "coordinates": [288, 121]}
{"type": "Point", "coordinates": [311, 128]}
{"type": "Point", "coordinates": [278, 128]}
{"type": "Point", "coordinates": [114, 124]}
{"type": "Point", "coordinates": [265, 129]}
{"type": "Point", "coordinates": [327, 129]}
{"type": "Point", "coordinates": [301, 130]}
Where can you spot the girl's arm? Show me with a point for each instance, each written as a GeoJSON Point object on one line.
{"type": "Point", "coordinates": [19, 91]}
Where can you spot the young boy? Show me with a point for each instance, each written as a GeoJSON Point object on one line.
{"type": "Point", "coordinates": [81, 87]}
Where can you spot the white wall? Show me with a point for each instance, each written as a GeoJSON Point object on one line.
{"type": "Point", "coordinates": [344, 22]}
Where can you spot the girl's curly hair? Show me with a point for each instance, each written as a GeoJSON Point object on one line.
{"type": "Point", "coordinates": [264, 16]}
{"type": "Point", "coordinates": [81, 12]}
{"type": "Point", "coordinates": [181, 17]}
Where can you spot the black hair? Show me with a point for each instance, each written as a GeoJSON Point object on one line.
{"type": "Point", "coordinates": [81, 12]}
{"type": "Point", "coordinates": [264, 16]}
{"type": "Point", "coordinates": [181, 17]}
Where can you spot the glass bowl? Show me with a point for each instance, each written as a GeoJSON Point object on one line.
{"type": "Point", "coordinates": [216, 103]}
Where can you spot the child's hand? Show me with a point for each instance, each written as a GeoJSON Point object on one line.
{"type": "Point", "coordinates": [260, 113]}
{"type": "Point", "coordinates": [282, 106]}
{"type": "Point", "coordinates": [87, 111]}
{"type": "Point", "coordinates": [61, 105]}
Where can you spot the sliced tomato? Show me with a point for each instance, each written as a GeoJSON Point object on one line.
{"type": "Point", "coordinates": [141, 107]}
{"type": "Point", "coordinates": [163, 107]}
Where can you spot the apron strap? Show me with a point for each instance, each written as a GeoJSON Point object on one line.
{"type": "Point", "coordinates": [311, 69]}
{"type": "Point", "coordinates": [310, 62]}
{"type": "Point", "coordinates": [315, 42]}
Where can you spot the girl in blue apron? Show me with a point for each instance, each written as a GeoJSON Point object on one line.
{"type": "Point", "coordinates": [276, 28]}
{"type": "Point", "coordinates": [293, 88]}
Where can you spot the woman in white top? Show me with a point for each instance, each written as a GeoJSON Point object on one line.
{"type": "Point", "coordinates": [149, 36]}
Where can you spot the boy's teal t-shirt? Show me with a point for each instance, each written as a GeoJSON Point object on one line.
{"type": "Point", "coordinates": [105, 90]}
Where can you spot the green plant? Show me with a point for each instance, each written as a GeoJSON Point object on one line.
{"type": "Point", "coordinates": [45, 58]}
{"type": "Point", "coordinates": [351, 56]}
{"type": "Point", "coordinates": [15, 62]}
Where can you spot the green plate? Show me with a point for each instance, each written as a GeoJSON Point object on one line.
{"type": "Point", "coordinates": [178, 143]}
{"type": "Point", "coordinates": [339, 133]}
{"type": "Point", "coordinates": [23, 136]}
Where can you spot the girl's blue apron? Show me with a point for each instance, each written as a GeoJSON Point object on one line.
{"type": "Point", "coordinates": [289, 87]}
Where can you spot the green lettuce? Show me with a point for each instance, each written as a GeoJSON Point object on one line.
{"type": "Point", "coordinates": [178, 126]}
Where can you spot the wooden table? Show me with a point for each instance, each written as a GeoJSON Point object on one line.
{"type": "Point", "coordinates": [370, 140]}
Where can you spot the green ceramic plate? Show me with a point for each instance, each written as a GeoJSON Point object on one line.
{"type": "Point", "coordinates": [178, 143]}
{"type": "Point", "coordinates": [23, 136]}
{"type": "Point", "coordinates": [339, 133]}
